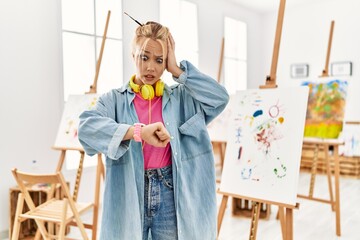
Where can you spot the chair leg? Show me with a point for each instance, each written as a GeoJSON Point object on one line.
{"type": "Point", "coordinates": [17, 222]}
{"type": "Point", "coordinates": [80, 225]}
{"type": "Point", "coordinates": [63, 220]}
{"type": "Point", "coordinates": [37, 235]}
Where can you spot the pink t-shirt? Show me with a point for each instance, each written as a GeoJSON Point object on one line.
{"type": "Point", "coordinates": [154, 157]}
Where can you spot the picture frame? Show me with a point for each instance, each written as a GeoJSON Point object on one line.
{"type": "Point", "coordinates": [341, 68]}
{"type": "Point", "coordinates": [299, 70]}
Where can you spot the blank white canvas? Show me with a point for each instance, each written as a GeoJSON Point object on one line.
{"type": "Point", "coordinates": [67, 136]}
{"type": "Point", "coordinates": [264, 144]}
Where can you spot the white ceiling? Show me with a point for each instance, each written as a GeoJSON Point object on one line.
{"type": "Point", "coordinates": [271, 5]}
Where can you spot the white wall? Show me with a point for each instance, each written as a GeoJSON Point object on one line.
{"type": "Point", "coordinates": [305, 37]}
{"type": "Point", "coordinates": [211, 31]}
{"type": "Point", "coordinates": [30, 91]}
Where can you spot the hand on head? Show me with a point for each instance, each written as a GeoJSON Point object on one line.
{"type": "Point", "coordinates": [171, 65]}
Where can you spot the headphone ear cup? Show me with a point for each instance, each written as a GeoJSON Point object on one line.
{"type": "Point", "coordinates": [147, 92]}
{"type": "Point", "coordinates": [134, 86]}
{"type": "Point", "coordinates": [159, 88]}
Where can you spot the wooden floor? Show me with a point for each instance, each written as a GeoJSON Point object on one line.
{"type": "Point", "coordinates": [313, 220]}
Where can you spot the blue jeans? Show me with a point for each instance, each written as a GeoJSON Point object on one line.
{"type": "Point", "coordinates": [159, 209]}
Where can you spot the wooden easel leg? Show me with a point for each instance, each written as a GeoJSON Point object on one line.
{"type": "Point", "coordinates": [102, 169]}
{"type": "Point", "coordinates": [337, 189]}
{"type": "Point", "coordinates": [78, 175]}
{"type": "Point", "coordinates": [328, 171]}
{"type": "Point", "coordinates": [61, 160]}
{"type": "Point", "coordinates": [222, 154]}
{"type": "Point", "coordinates": [282, 221]}
{"type": "Point", "coordinates": [99, 172]}
{"type": "Point", "coordinates": [289, 224]}
{"type": "Point", "coordinates": [313, 171]}
{"type": "Point", "coordinates": [254, 220]}
{"type": "Point", "coordinates": [221, 212]}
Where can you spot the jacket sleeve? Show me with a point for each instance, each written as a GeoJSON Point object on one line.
{"type": "Point", "coordinates": [100, 133]}
{"type": "Point", "coordinates": [206, 91]}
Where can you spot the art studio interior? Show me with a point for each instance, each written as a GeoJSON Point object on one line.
{"type": "Point", "coordinates": [284, 150]}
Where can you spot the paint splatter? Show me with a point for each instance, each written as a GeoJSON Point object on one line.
{"type": "Point", "coordinates": [281, 119]}
{"type": "Point", "coordinates": [258, 113]}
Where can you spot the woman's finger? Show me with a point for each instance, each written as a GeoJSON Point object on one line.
{"type": "Point", "coordinates": [172, 41]}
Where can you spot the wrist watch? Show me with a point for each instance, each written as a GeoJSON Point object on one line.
{"type": "Point", "coordinates": [137, 132]}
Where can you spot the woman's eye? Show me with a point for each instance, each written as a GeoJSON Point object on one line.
{"type": "Point", "coordinates": [160, 60]}
{"type": "Point", "coordinates": [143, 57]}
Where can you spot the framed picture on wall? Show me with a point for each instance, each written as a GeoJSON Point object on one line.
{"type": "Point", "coordinates": [299, 70]}
{"type": "Point", "coordinates": [341, 68]}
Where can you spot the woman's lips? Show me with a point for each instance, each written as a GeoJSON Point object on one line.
{"type": "Point", "coordinates": [149, 77]}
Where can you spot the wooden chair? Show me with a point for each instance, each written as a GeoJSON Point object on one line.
{"type": "Point", "coordinates": [59, 211]}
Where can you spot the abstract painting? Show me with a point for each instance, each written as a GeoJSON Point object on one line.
{"type": "Point", "coordinates": [263, 152]}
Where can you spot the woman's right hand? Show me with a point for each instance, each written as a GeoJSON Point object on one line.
{"type": "Point", "coordinates": [171, 64]}
{"type": "Point", "coordinates": [155, 134]}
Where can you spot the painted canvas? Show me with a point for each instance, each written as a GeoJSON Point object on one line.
{"type": "Point", "coordinates": [326, 106]}
{"type": "Point", "coordinates": [263, 153]}
{"type": "Point", "coordinates": [67, 136]}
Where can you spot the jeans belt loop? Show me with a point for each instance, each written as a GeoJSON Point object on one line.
{"type": "Point", "coordinates": [159, 173]}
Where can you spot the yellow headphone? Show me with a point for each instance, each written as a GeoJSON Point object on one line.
{"type": "Point", "coordinates": [147, 91]}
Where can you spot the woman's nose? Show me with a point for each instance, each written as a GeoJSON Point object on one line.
{"type": "Point", "coordinates": [150, 66]}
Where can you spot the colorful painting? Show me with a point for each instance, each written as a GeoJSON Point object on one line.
{"type": "Point", "coordinates": [325, 112]}
{"type": "Point", "coordinates": [263, 153]}
{"type": "Point", "coordinates": [67, 136]}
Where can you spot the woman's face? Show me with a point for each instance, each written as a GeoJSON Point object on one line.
{"type": "Point", "coordinates": [149, 60]}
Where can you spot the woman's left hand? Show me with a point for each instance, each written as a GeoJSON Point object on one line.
{"type": "Point", "coordinates": [171, 65]}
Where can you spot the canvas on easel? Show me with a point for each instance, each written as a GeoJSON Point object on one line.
{"type": "Point", "coordinates": [67, 135]}
{"type": "Point", "coordinates": [326, 105]}
{"type": "Point", "coordinates": [263, 153]}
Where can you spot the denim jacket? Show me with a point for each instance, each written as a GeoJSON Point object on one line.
{"type": "Point", "coordinates": [187, 108]}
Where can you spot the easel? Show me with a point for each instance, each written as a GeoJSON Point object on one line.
{"type": "Point", "coordinates": [286, 219]}
{"type": "Point", "coordinates": [100, 170]}
{"type": "Point", "coordinates": [324, 144]}
{"type": "Point", "coordinates": [334, 202]}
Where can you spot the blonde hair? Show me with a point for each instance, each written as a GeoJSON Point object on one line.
{"type": "Point", "coordinates": [151, 30]}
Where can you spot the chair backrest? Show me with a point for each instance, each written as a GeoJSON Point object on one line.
{"type": "Point", "coordinates": [23, 179]}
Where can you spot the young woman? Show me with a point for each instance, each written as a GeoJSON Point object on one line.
{"type": "Point", "coordinates": [160, 176]}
